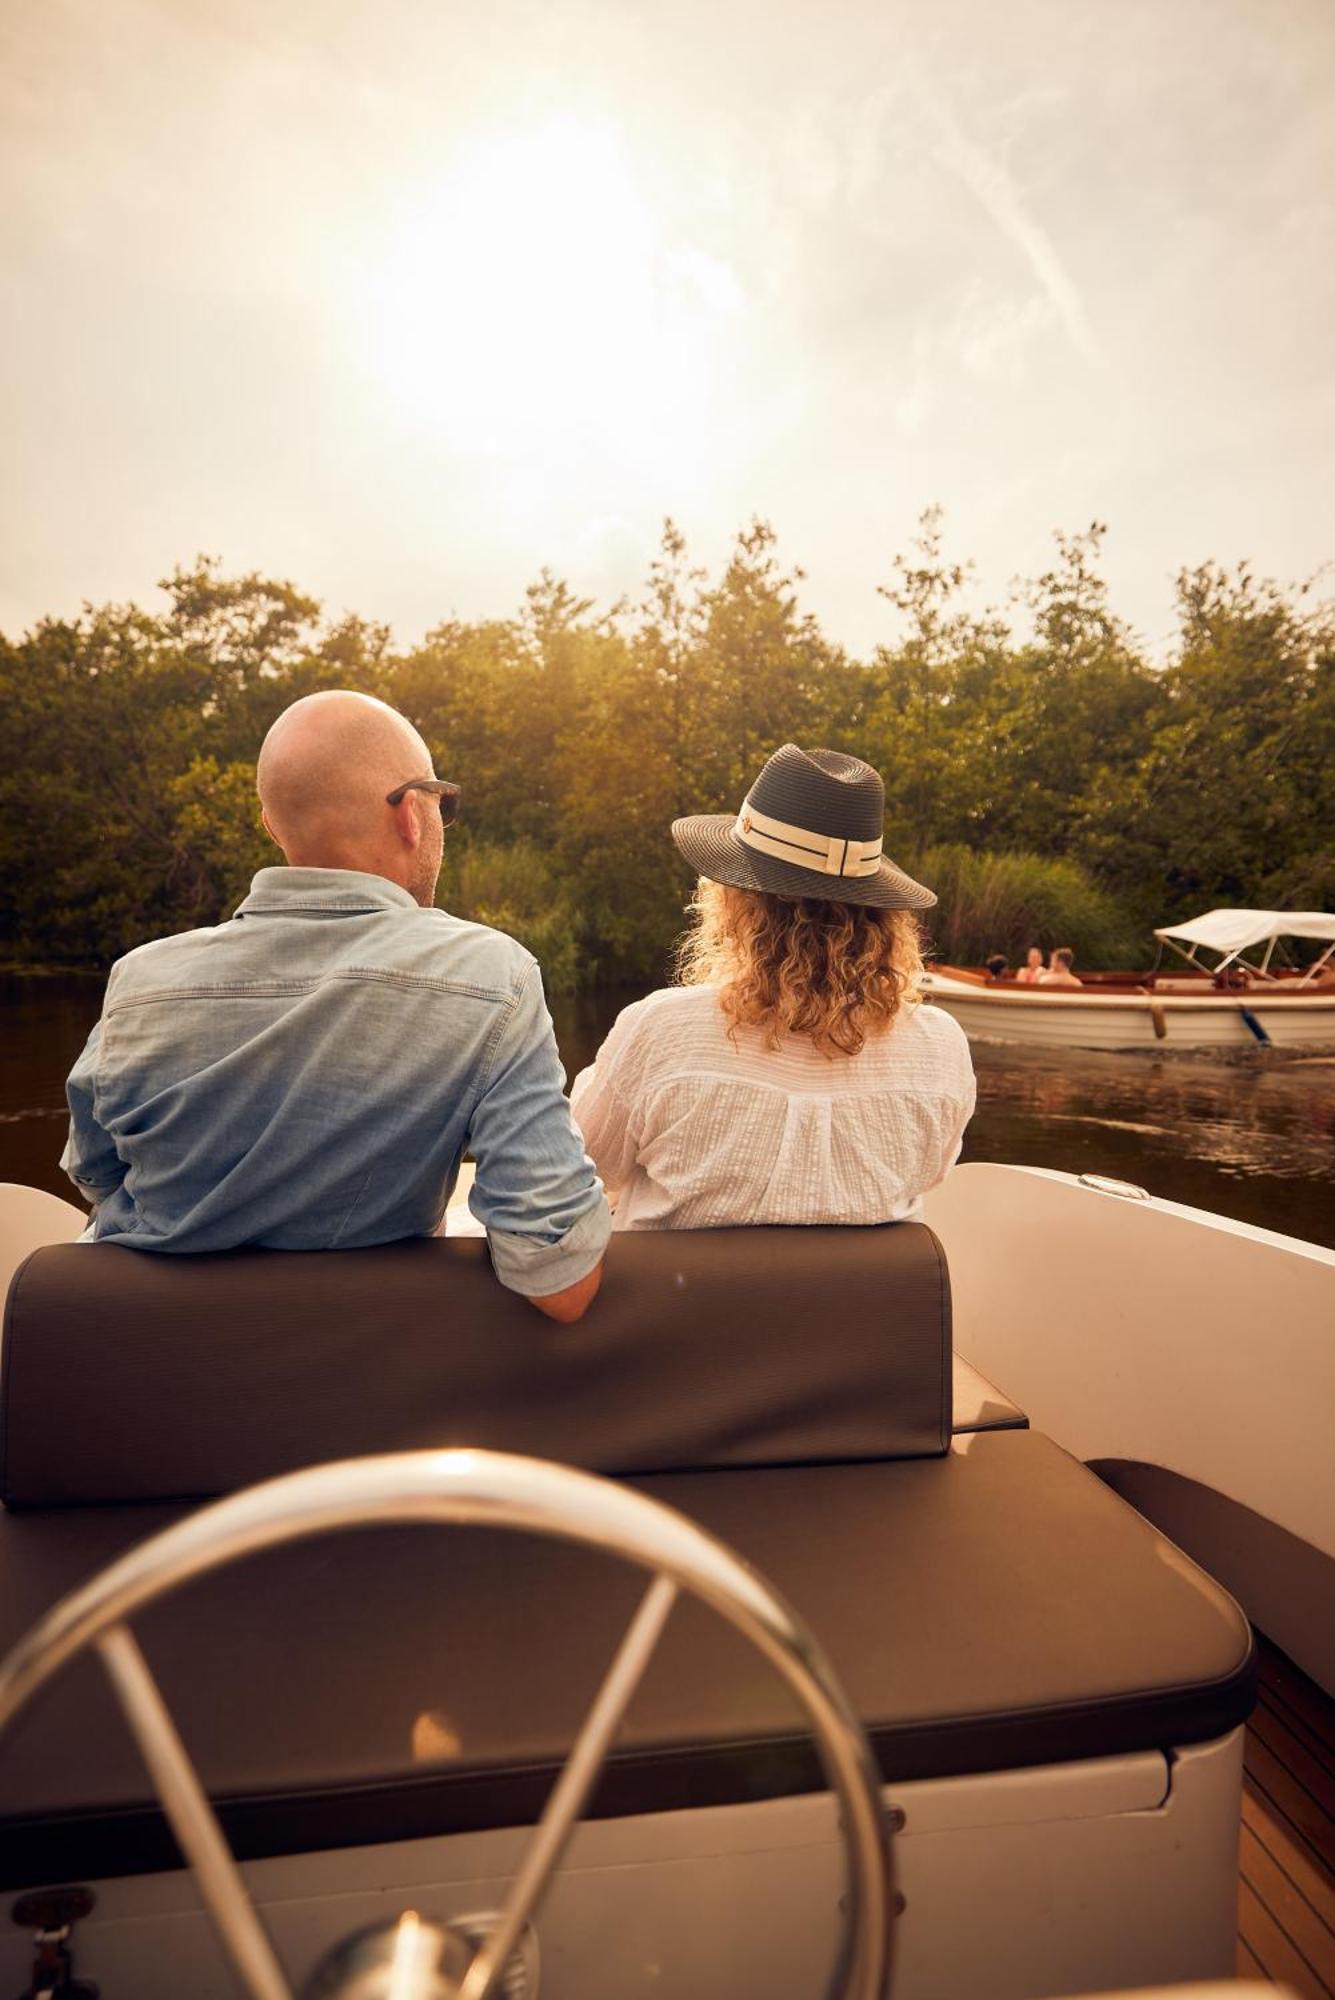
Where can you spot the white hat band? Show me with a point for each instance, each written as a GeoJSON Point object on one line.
{"type": "Point", "coordinates": [825, 853]}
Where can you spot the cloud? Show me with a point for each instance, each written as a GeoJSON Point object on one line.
{"type": "Point", "coordinates": [916, 403]}
{"type": "Point", "coordinates": [996, 192]}
{"type": "Point", "coordinates": [990, 337]}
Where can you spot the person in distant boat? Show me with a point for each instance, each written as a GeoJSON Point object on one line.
{"type": "Point", "coordinates": [1059, 971]}
{"type": "Point", "coordinates": [792, 1076]}
{"type": "Point", "coordinates": [306, 1075]}
{"type": "Point", "coordinates": [1031, 972]}
{"type": "Point", "coordinates": [998, 966]}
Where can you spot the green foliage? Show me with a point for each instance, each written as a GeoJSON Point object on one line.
{"type": "Point", "coordinates": [995, 742]}
{"type": "Point", "coordinates": [1230, 802]}
{"type": "Point", "coordinates": [1006, 902]}
{"type": "Point", "coordinates": [219, 840]}
{"type": "Point", "coordinates": [517, 889]}
{"type": "Point", "coordinates": [1053, 784]}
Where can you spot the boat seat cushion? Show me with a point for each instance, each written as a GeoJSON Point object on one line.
{"type": "Point", "coordinates": [994, 1608]}
{"type": "Point", "coordinates": [130, 1376]}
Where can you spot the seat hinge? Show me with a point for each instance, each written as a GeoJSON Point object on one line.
{"type": "Point", "coordinates": [51, 1914]}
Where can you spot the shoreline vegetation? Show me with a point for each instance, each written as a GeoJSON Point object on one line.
{"type": "Point", "coordinates": [1052, 783]}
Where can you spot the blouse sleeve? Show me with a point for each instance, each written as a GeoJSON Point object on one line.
{"type": "Point", "coordinates": [604, 1115]}
{"type": "Point", "coordinates": [956, 1110]}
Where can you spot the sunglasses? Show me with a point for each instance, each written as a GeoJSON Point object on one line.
{"type": "Point", "coordinates": [446, 795]}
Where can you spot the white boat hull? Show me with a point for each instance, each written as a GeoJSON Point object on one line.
{"type": "Point", "coordinates": [1095, 1020]}
{"type": "Point", "coordinates": [1139, 1332]}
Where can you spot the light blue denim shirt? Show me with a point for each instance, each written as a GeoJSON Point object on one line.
{"type": "Point", "coordinates": [306, 1076]}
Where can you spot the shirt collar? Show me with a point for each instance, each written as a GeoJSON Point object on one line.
{"type": "Point", "coordinates": [342, 891]}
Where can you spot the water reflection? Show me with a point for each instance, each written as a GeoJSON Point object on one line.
{"type": "Point", "coordinates": [1251, 1136]}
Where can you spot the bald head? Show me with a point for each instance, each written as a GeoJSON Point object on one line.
{"type": "Point", "coordinates": [324, 769]}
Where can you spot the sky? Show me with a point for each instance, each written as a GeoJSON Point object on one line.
{"type": "Point", "coordinates": [407, 299]}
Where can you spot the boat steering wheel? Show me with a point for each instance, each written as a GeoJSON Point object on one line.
{"type": "Point", "coordinates": [487, 1489]}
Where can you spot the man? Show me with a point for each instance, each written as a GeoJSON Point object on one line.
{"type": "Point", "coordinates": [306, 1075]}
{"type": "Point", "coordinates": [1059, 971]}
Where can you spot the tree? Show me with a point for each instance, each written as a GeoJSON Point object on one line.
{"type": "Point", "coordinates": [1233, 790]}
{"type": "Point", "coordinates": [127, 804]}
{"type": "Point", "coordinates": [764, 674]}
{"type": "Point", "coordinates": [940, 708]}
{"type": "Point", "coordinates": [1086, 700]}
{"type": "Point", "coordinates": [668, 649]}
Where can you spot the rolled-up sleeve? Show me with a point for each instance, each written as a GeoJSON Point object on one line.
{"type": "Point", "coordinates": [90, 1158]}
{"type": "Point", "coordinates": [535, 1191]}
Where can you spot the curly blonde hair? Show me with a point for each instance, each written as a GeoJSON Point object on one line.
{"type": "Point", "coordinates": [836, 972]}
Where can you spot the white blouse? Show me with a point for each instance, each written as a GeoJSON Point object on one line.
{"type": "Point", "coordinates": [693, 1129]}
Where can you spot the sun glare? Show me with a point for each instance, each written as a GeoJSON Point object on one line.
{"type": "Point", "coordinates": [532, 311]}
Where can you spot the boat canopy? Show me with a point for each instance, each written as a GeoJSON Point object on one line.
{"type": "Point", "coordinates": [1231, 932]}
{"type": "Point", "coordinates": [1235, 930]}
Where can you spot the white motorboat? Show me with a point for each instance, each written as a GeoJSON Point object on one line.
{"type": "Point", "coordinates": [1232, 1003]}
{"type": "Point", "coordinates": [1053, 1691]}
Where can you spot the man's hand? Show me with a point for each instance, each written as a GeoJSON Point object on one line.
{"type": "Point", "coordinates": [574, 1301]}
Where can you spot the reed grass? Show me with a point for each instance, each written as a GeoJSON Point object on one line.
{"type": "Point", "coordinates": [1006, 902]}
{"type": "Point", "coordinates": [988, 903]}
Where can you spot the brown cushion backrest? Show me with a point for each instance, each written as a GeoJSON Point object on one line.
{"type": "Point", "coordinates": [130, 1376]}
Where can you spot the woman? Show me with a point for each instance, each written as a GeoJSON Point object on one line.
{"type": "Point", "coordinates": [792, 1076]}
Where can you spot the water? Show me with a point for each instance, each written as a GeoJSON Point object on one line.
{"type": "Point", "coordinates": [1251, 1136]}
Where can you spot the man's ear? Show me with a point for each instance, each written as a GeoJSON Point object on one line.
{"type": "Point", "coordinates": [265, 823]}
{"type": "Point", "coordinates": [407, 821]}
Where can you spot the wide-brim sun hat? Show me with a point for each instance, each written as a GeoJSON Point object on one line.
{"type": "Point", "coordinates": [811, 825]}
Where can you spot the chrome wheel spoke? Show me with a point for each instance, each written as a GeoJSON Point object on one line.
{"type": "Point", "coordinates": [570, 1793]}
{"type": "Point", "coordinates": [192, 1818]}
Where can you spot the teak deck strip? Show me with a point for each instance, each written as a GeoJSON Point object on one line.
{"type": "Point", "coordinates": [1286, 1857]}
{"type": "Point", "coordinates": [1291, 1855]}
{"type": "Point", "coordinates": [1287, 1747]}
